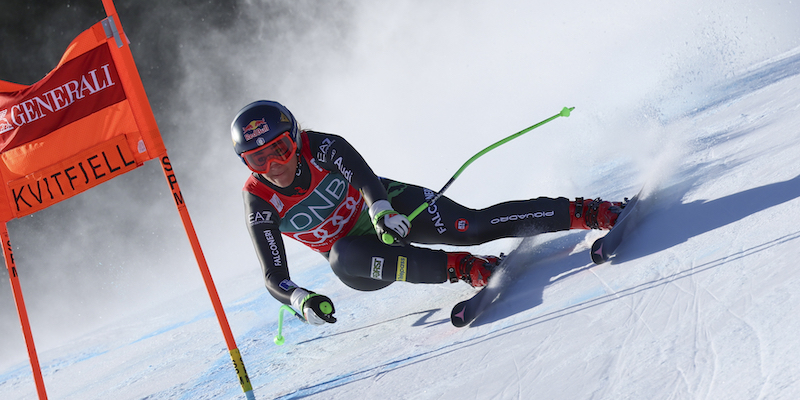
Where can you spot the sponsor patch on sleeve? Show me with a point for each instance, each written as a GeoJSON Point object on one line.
{"type": "Point", "coordinates": [376, 271]}
{"type": "Point", "coordinates": [402, 269]}
{"type": "Point", "coordinates": [287, 285]}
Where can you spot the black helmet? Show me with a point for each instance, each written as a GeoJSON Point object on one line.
{"type": "Point", "coordinates": [260, 123]}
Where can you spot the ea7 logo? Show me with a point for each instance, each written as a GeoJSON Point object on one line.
{"type": "Point", "coordinates": [324, 148]}
{"type": "Point", "coordinates": [260, 217]}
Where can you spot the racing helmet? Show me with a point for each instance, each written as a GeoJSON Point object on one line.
{"type": "Point", "coordinates": [264, 132]}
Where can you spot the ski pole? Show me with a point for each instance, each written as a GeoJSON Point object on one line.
{"type": "Point", "coordinates": [388, 239]}
{"type": "Point", "coordinates": [279, 339]}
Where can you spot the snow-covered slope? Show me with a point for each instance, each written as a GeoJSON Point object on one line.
{"type": "Point", "coordinates": [698, 304]}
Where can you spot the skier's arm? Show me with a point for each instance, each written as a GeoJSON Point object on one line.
{"type": "Point", "coordinates": [334, 153]}
{"type": "Point", "coordinates": [263, 225]}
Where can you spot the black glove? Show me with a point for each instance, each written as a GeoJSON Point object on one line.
{"type": "Point", "coordinates": [315, 308]}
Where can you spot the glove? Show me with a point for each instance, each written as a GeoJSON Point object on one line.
{"type": "Point", "coordinates": [387, 221]}
{"type": "Point", "coordinates": [316, 308]}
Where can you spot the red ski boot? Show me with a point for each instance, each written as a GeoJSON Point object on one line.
{"type": "Point", "coordinates": [474, 270]}
{"type": "Point", "coordinates": [594, 214]}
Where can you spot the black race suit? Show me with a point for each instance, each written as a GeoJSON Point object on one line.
{"type": "Point", "coordinates": [326, 208]}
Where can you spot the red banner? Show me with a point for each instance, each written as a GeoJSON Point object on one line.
{"type": "Point", "coordinates": [86, 122]}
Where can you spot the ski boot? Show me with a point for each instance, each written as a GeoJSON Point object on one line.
{"type": "Point", "coordinates": [594, 214]}
{"type": "Point", "coordinates": [472, 269]}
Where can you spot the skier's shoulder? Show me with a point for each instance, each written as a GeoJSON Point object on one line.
{"type": "Point", "coordinates": [257, 193]}
{"type": "Point", "coordinates": [326, 147]}
{"type": "Point", "coordinates": [322, 142]}
{"type": "Point", "coordinates": [316, 136]}
{"type": "Point", "coordinates": [262, 215]}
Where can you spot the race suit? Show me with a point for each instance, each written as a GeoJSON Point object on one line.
{"type": "Point", "coordinates": [326, 208]}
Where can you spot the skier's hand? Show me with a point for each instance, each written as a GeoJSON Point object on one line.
{"type": "Point", "coordinates": [315, 308]}
{"type": "Point", "coordinates": [389, 222]}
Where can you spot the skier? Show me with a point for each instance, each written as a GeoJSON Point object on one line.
{"type": "Point", "coordinates": [317, 189]}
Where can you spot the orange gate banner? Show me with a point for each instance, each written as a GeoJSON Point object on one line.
{"type": "Point", "coordinates": [86, 122]}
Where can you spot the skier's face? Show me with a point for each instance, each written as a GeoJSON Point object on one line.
{"type": "Point", "coordinates": [279, 151]}
{"type": "Point", "coordinates": [282, 174]}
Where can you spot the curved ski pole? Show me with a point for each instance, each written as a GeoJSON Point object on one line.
{"type": "Point", "coordinates": [279, 339]}
{"type": "Point", "coordinates": [565, 112]}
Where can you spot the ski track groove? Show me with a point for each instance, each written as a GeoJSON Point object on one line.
{"type": "Point", "coordinates": [614, 292]}
{"type": "Point", "coordinates": [519, 378]}
{"type": "Point", "coordinates": [682, 376]}
{"type": "Point", "coordinates": [703, 339]}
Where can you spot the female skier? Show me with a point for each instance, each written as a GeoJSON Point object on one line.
{"type": "Point", "coordinates": [317, 189]}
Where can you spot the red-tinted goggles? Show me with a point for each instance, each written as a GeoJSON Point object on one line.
{"type": "Point", "coordinates": [279, 150]}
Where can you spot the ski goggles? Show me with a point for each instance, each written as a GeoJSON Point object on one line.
{"type": "Point", "coordinates": [278, 150]}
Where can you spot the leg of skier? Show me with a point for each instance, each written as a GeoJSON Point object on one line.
{"type": "Point", "coordinates": [365, 263]}
{"type": "Point", "coordinates": [447, 222]}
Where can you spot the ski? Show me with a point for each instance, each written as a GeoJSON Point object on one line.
{"type": "Point", "coordinates": [605, 247]}
{"type": "Point", "coordinates": [466, 311]}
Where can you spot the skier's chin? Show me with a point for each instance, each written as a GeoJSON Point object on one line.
{"type": "Point", "coordinates": [280, 177]}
